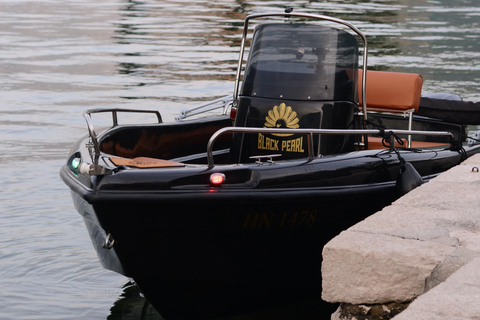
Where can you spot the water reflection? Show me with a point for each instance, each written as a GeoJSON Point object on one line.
{"type": "Point", "coordinates": [195, 41]}
{"type": "Point", "coordinates": [132, 306]}
{"type": "Point", "coordinates": [202, 43]}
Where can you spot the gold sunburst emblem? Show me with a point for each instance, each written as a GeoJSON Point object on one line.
{"type": "Point", "coordinates": [282, 117]}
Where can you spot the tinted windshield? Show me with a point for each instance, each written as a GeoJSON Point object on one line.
{"type": "Point", "coordinates": [301, 62]}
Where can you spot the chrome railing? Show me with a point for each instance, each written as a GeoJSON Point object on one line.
{"type": "Point", "coordinates": [224, 103]}
{"type": "Point", "coordinates": [114, 111]}
{"type": "Point", "coordinates": [310, 132]}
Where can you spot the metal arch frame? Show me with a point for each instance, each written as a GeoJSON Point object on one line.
{"type": "Point", "coordinates": [302, 15]}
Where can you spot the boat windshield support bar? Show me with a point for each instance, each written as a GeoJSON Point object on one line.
{"type": "Point", "coordinates": [310, 16]}
{"type": "Point", "coordinates": [114, 111]}
{"type": "Point", "coordinates": [224, 103]}
{"type": "Point", "coordinates": [310, 133]}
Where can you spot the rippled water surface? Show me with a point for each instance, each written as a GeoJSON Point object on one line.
{"type": "Point", "coordinates": [58, 58]}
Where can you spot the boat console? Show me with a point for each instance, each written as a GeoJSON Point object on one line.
{"type": "Point", "coordinates": [297, 76]}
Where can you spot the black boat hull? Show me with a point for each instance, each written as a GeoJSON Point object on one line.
{"type": "Point", "coordinates": [217, 257]}
{"type": "Point", "coordinates": [202, 252]}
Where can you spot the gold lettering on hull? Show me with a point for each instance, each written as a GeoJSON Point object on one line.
{"type": "Point", "coordinates": [293, 145]}
{"type": "Point", "coordinates": [280, 220]}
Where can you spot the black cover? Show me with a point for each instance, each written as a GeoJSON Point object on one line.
{"type": "Point", "coordinates": [462, 112]}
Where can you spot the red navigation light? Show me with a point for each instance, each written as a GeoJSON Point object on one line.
{"type": "Point", "coordinates": [233, 113]}
{"type": "Point", "coordinates": [217, 179]}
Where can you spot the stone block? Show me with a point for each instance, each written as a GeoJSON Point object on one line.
{"type": "Point", "coordinates": [425, 246]}
{"type": "Point", "coordinates": [412, 222]}
{"type": "Point", "coordinates": [455, 299]}
{"type": "Point", "coordinates": [365, 268]}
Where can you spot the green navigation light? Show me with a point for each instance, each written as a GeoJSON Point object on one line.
{"type": "Point", "coordinates": [76, 163]}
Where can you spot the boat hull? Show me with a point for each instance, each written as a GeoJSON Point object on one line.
{"type": "Point", "coordinates": [216, 255]}
{"type": "Point", "coordinates": [254, 243]}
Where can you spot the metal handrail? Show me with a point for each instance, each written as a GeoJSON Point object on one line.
{"type": "Point", "coordinates": [114, 111]}
{"type": "Point", "coordinates": [310, 16]}
{"type": "Point", "coordinates": [310, 133]}
{"type": "Point", "coordinates": [223, 102]}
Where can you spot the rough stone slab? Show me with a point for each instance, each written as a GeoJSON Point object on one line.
{"type": "Point", "coordinates": [472, 161]}
{"type": "Point", "coordinates": [461, 173]}
{"type": "Point", "coordinates": [413, 222]}
{"type": "Point", "coordinates": [365, 268]}
{"type": "Point", "coordinates": [467, 239]}
{"type": "Point", "coordinates": [458, 298]}
{"type": "Point", "coordinates": [441, 194]}
{"type": "Point", "coordinates": [426, 241]}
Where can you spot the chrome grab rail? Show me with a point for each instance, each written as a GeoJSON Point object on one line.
{"type": "Point", "coordinates": [224, 103]}
{"type": "Point", "coordinates": [114, 111]}
{"type": "Point", "coordinates": [310, 133]}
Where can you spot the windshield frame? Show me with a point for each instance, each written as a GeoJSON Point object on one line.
{"type": "Point", "coordinates": [301, 15]}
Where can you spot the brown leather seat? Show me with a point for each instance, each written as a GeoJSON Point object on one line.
{"type": "Point", "coordinates": [391, 91]}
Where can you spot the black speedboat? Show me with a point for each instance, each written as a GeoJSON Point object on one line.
{"type": "Point", "coordinates": [227, 214]}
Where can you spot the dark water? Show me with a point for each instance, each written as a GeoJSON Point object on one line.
{"type": "Point", "coordinates": [58, 58]}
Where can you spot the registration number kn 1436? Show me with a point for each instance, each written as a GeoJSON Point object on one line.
{"type": "Point", "coordinates": [280, 220]}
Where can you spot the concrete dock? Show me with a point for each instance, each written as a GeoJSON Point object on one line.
{"type": "Point", "coordinates": [418, 258]}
